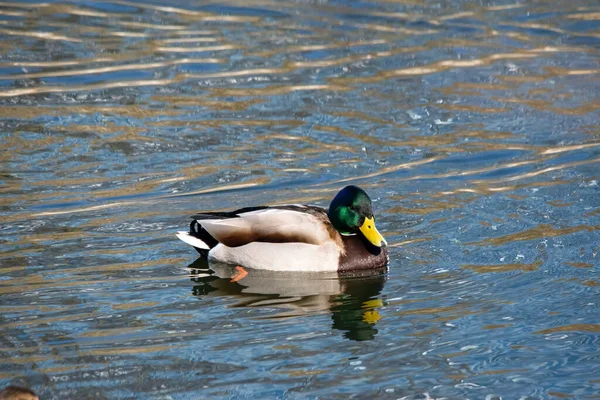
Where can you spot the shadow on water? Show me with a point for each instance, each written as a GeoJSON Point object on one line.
{"type": "Point", "coordinates": [351, 298]}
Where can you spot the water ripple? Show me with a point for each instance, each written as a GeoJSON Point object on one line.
{"type": "Point", "coordinates": [472, 126]}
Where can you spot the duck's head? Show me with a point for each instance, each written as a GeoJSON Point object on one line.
{"type": "Point", "coordinates": [351, 212]}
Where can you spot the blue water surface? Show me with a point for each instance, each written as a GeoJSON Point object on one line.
{"type": "Point", "coordinates": [473, 127]}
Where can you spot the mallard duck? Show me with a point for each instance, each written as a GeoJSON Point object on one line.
{"type": "Point", "coordinates": [293, 237]}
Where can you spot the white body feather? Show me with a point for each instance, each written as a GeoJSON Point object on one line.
{"type": "Point", "coordinates": [317, 252]}
{"type": "Point", "coordinates": [280, 256]}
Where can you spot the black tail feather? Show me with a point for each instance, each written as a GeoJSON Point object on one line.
{"type": "Point", "coordinates": [199, 232]}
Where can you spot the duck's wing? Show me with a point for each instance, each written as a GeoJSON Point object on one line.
{"type": "Point", "coordinates": [280, 224]}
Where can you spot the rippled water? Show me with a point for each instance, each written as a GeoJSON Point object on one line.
{"type": "Point", "coordinates": [473, 125]}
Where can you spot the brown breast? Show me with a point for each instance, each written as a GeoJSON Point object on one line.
{"type": "Point", "coordinates": [360, 254]}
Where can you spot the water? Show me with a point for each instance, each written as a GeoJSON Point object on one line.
{"type": "Point", "coordinates": [474, 127]}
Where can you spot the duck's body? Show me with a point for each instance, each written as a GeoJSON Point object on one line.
{"type": "Point", "coordinates": [294, 237]}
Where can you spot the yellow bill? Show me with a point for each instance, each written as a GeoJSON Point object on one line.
{"type": "Point", "coordinates": [371, 233]}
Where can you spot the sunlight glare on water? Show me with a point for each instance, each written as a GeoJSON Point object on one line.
{"type": "Point", "coordinates": [472, 125]}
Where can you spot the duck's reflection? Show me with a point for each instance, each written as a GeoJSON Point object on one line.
{"type": "Point", "coordinates": [352, 299]}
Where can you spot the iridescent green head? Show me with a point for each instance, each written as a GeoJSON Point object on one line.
{"type": "Point", "coordinates": [351, 212]}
